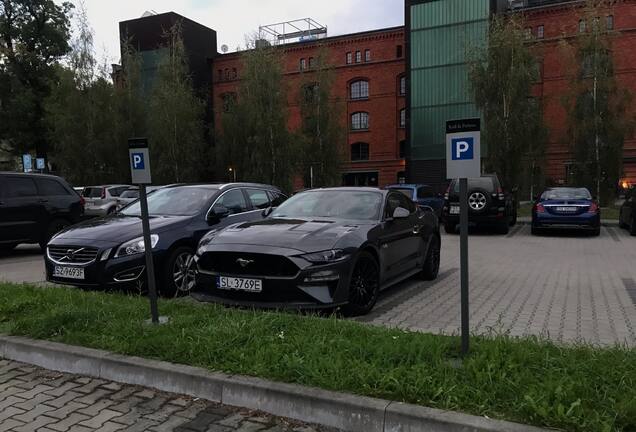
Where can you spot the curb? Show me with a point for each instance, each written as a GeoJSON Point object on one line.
{"type": "Point", "coordinates": [339, 410]}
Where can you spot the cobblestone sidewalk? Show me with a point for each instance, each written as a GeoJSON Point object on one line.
{"type": "Point", "coordinates": [34, 399]}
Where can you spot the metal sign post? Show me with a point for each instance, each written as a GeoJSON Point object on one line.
{"type": "Point", "coordinates": [463, 161]}
{"type": "Point", "coordinates": [140, 173]}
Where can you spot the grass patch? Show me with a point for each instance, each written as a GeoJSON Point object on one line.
{"type": "Point", "coordinates": [529, 381]}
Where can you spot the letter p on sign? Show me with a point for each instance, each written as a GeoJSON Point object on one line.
{"type": "Point", "coordinates": [462, 149]}
{"type": "Point", "coordinates": [138, 161]}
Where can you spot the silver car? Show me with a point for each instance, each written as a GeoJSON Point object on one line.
{"type": "Point", "coordinates": [132, 194]}
{"type": "Point", "coordinates": [102, 200]}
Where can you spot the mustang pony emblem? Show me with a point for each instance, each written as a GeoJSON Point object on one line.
{"type": "Point", "coordinates": [243, 262]}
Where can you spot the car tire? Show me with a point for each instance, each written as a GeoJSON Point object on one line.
{"type": "Point", "coordinates": [6, 248]}
{"type": "Point", "coordinates": [430, 268]}
{"type": "Point", "coordinates": [513, 220]}
{"type": "Point", "coordinates": [486, 204]}
{"type": "Point", "coordinates": [596, 232]}
{"type": "Point", "coordinates": [632, 228]}
{"type": "Point", "coordinates": [450, 228]}
{"type": "Point", "coordinates": [179, 277]}
{"type": "Point", "coordinates": [54, 227]}
{"type": "Point", "coordinates": [364, 286]}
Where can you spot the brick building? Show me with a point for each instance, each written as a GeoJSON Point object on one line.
{"type": "Point", "coordinates": [369, 78]}
{"type": "Point", "coordinates": [548, 22]}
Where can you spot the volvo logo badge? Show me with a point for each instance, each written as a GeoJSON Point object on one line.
{"type": "Point", "coordinates": [243, 262]}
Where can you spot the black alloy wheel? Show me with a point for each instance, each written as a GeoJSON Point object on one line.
{"type": "Point", "coordinates": [364, 286]}
{"type": "Point", "coordinates": [430, 268]}
{"type": "Point", "coordinates": [180, 272]}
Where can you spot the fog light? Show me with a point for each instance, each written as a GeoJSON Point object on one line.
{"type": "Point", "coordinates": [322, 276]}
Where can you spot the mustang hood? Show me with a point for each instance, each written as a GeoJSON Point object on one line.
{"type": "Point", "coordinates": [118, 228]}
{"type": "Point", "coordinates": [302, 235]}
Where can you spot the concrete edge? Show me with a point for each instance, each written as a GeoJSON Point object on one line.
{"type": "Point", "coordinates": [339, 410]}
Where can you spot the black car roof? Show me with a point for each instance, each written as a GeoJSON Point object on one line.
{"type": "Point", "coordinates": [351, 189]}
{"type": "Point", "coordinates": [16, 173]}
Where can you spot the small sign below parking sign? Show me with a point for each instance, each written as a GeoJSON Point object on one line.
{"type": "Point", "coordinates": [139, 161]}
{"type": "Point", "coordinates": [463, 149]}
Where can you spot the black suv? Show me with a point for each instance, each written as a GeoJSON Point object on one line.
{"type": "Point", "coordinates": [34, 207]}
{"type": "Point", "coordinates": [488, 204]}
{"type": "Point", "coordinates": [627, 216]}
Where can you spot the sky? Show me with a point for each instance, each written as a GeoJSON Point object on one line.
{"type": "Point", "coordinates": [233, 19]}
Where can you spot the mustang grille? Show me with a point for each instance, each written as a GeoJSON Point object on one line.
{"type": "Point", "coordinates": [240, 264]}
{"type": "Point", "coordinates": [72, 254]}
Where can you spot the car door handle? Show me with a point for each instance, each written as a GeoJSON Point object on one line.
{"type": "Point", "coordinates": [417, 229]}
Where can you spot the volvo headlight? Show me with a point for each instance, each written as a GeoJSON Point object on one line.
{"type": "Point", "coordinates": [325, 257]}
{"type": "Point", "coordinates": [206, 240]}
{"type": "Point", "coordinates": [136, 246]}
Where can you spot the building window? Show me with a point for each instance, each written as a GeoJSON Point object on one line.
{"type": "Point", "coordinates": [402, 85]}
{"type": "Point", "coordinates": [582, 26]}
{"type": "Point", "coordinates": [402, 118]}
{"type": "Point", "coordinates": [399, 53]}
{"type": "Point", "coordinates": [402, 149]}
{"type": "Point", "coordinates": [229, 100]}
{"type": "Point", "coordinates": [303, 64]}
{"type": "Point", "coordinates": [540, 32]}
{"type": "Point", "coordinates": [234, 73]}
{"type": "Point", "coordinates": [367, 55]}
{"type": "Point", "coordinates": [358, 57]}
{"type": "Point", "coordinates": [360, 121]}
{"type": "Point", "coordinates": [610, 22]}
{"type": "Point", "coordinates": [227, 74]}
{"type": "Point", "coordinates": [360, 89]}
{"type": "Point", "coordinates": [349, 58]}
{"type": "Point", "coordinates": [359, 152]}
{"type": "Point", "coordinates": [528, 33]}
{"type": "Point", "coordinates": [312, 63]}
{"type": "Point", "coordinates": [310, 92]}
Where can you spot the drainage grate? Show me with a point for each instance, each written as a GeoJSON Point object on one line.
{"type": "Point", "coordinates": [630, 286]}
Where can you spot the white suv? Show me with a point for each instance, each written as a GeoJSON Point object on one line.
{"type": "Point", "coordinates": [102, 200]}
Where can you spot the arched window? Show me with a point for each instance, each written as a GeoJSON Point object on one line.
{"type": "Point", "coordinates": [303, 64]}
{"type": "Point", "coordinates": [360, 89]}
{"type": "Point", "coordinates": [403, 118]}
{"type": "Point", "coordinates": [402, 85]}
{"type": "Point", "coordinates": [610, 22]}
{"type": "Point", "coordinates": [582, 26]}
{"type": "Point", "coordinates": [360, 121]}
{"type": "Point", "coordinates": [229, 100]}
{"type": "Point", "coordinates": [359, 152]}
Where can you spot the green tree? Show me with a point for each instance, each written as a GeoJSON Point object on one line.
{"type": "Point", "coordinates": [501, 75]}
{"type": "Point", "coordinates": [82, 114]}
{"type": "Point", "coordinates": [597, 106]}
{"type": "Point", "coordinates": [34, 35]}
{"type": "Point", "coordinates": [255, 140]}
{"type": "Point", "coordinates": [322, 133]}
{"type": "Point", "coordinates": [175, 118]}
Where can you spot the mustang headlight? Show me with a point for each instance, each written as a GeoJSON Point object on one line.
{"type": "Point", "coordinates": [325, 257]}
{"type": "Point", "coordinates": [136, 246]}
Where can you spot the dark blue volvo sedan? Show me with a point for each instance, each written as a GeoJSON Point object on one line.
{"type": "Point", "coordinates": [566, 208]}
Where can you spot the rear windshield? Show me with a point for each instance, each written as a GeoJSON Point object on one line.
{"type": "Point", "coordinates": [92, 192]}
{"type": "Point", "coordinates": [567, 193]}
{"type": "Point", "coordinates": [404, 191]}
{"type": "Point", "coordinates": [486, 183]}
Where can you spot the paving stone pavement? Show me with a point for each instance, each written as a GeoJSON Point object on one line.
{"type": "Point", "coordinates": [34, 399]}
{"type": "Point", "coordinates": [568, 287]}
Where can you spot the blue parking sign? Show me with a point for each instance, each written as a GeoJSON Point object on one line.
{"type": "Point", "coordinates": [463, 148]}
{"type": "Point", "coordinates": [138, 161]}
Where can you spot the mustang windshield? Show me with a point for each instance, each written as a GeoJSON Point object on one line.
{"type": "Point", "coordinates": [179, 201]}
{"type": "Point", "coordinates": [352, 205]}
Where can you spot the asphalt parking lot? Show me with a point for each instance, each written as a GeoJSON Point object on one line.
{"type": "Point", "coordinates": [567, 287]}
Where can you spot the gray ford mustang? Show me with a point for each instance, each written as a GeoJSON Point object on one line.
{"type": "Point", "coordinates": [322, 248]}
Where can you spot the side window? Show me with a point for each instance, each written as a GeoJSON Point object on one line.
{"type": "Point", "coordinates": [233, 200]}
{"type": "Point", "coordinates": [17, 187]}
{"type": "Point", "coordinates": [50, 187]}
{"type": "Point", "coordinates": [407, 203]}
{"type": "Point", "coordinates": [425, 192]}
{"type": "Point", "coordinates": [259, 198]}
{"type": "Point", "coordinates": [277, 199]}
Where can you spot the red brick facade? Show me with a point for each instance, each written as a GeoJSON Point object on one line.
{"type": "Point", "coordinates": [382, 69]}
{"type": "Point", "coordinates": [560, 21]}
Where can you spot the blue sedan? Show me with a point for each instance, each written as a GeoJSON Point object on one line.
{"type": "Point", "coordinates": [422, 195]}
{"type": "Point", "coordinates": [566, 208]}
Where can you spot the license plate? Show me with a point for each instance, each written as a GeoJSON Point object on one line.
{"type": "Point", "coordinates": [454, 210]}
{"type": "Point", "coordinates": [69, 272]}
{"type": "Point", "coordinates": [566, 209]}
{"type": "Point", "coordinates": [239, 284]}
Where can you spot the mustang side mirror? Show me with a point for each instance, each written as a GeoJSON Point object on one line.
{"type": "Point", "coordinates": [401, 213]}
{"type": "Point", "coordinates": [217, 213]}
{"type": "Point", "coordinates": [268, 211]}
